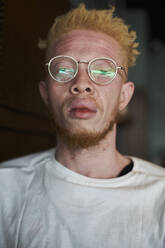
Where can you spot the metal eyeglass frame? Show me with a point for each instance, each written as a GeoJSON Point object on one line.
{"type": "Point", "coordinates": [86, 62]}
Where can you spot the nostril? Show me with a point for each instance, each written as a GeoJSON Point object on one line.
{"type": "Point", "coordinates": [88, 89]}
{"type": "Point", "coordinates": [76, 90]}
{"type": "Point", "coordinates": [81, 88]}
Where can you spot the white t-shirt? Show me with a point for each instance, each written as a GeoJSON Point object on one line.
{"type": "Point", "coordinates": [45, 205]}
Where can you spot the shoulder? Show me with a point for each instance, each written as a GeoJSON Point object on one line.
{"type": "Point", "coordinates": [148, 168]}
{"type": "Point", "coordinates": [150, 180]}
{"type": "Point", "coordinates": [27, 161]}
{"type": "Point", "coordinates": [19, 181]}
{"type": "Point", "coordinates": [16, 174]}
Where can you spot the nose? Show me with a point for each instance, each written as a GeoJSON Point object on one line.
{"type": "Point", "coordinates": [82, 84]}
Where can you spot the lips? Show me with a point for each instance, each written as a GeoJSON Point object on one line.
{"type": "Point", "coordinates": [82, 108]}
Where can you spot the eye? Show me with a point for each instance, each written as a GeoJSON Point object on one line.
{"type": "Point", "coordinates": [65, 71]}
{"type": "Point", "coordinates": [103, 72]}
{"type": "Point", "coordinates": [64, 74]}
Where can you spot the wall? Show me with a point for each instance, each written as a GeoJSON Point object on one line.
{"type": "Point", "coordinates": [24, 127]}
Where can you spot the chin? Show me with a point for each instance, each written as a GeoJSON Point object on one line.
{"type": "Point", "coordinates": [77, 138]}
{"type": "Point", "coordinates": [78, 134]}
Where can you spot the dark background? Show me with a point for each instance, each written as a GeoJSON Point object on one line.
{"type": "Point", "coordinates": [24, 126]}
{"type": "Point", "coordinates": [156, 12]}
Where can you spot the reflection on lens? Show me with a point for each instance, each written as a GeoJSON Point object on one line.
{"type": "Point", "coordinates": [63, 69]}
{"type": "Point", "coordinates": [102, 70]}
{"type": "Point", "coordinates": [64, 74]}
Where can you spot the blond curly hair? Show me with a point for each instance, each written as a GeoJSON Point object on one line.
{"type": "Point", "coordinates": [96, 20]}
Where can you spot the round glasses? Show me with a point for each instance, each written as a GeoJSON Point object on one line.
{"type": "Point", "coordinates": [100, 70]}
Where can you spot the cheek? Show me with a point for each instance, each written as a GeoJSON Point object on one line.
{"type": "Point", "coordinates": [55, 93]}
{"type": "Point", "coordinates": [54, 100]}
{"type": "Point", "coordinates": [110, 99]}
{"type": "Point", "coordinates": [58, 95]}
{"type": "Point", "coordinates": [111, 95]}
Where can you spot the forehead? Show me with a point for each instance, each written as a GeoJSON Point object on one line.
{"type": "Point", "coordinates": [85, 44]}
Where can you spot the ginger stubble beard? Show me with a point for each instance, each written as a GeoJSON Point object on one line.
{"type": "Point", "coordinates": [82, 138]}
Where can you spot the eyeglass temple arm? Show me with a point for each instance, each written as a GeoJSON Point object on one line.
{"type": "Point", "coordinates": [122, 68]}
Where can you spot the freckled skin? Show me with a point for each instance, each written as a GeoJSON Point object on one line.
{"type": "Point", "coordinates": [76, 44]}
{"type": "Point", "coordinates": [108, 99]}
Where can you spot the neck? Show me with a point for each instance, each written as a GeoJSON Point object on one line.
{"type": "Point", "coordinates": [101, 161]}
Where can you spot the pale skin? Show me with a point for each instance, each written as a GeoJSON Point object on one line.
{"type": "Point", "coordinates": [102, 160]}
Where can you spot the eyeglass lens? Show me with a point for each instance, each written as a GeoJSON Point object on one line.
{"type": "Point", "coordinates": [63, 69]}
{"type": "Point", "coordinates": [102, 70]}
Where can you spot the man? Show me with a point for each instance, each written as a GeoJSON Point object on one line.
{"type": "Point", "coordinates": [84, 193]}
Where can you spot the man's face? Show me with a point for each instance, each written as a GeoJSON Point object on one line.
{"type": "Point", "coordinates": [84, 112]}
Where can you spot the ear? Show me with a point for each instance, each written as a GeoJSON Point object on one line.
{"type": "Point", "coordinates": [43, 91]}
{"type": "Point", "coordinates": [126, 94]}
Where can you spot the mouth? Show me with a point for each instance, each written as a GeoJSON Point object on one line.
{"type": "Point", "coordinates": [82, 113]}
{"type": "Point", "coordinates": [82, 109]}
